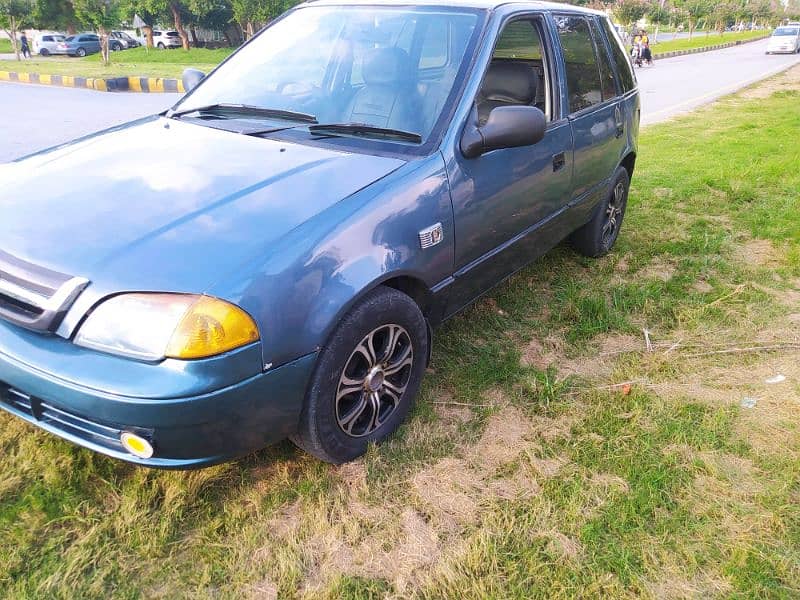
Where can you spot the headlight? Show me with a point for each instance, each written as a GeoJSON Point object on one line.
{"type": "Point", "coordinates": [156, 326]}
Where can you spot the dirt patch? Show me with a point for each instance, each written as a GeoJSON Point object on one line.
{"type": "Point", "coordinates": [702, 286]}
{"type": "Point", "coordinates": [599, 363]}
{"type": "Point", "coordinates": [757, 253]}
{"type": "Point", "coordinates": [540, 354]}
{"type": "Point", "coordinates": [678, 587]}
{"type": "Point", "coordinates": [263, 590]}
{"type": "Point", "coordinates": [789, 80]}
{"type": "Point", "coordinates": [503, 439]}
{"type": "Point", "coordinates": [450, 489]}
{"type": "Point", "coordinates": [659, 268]}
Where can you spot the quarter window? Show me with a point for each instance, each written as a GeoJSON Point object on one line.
{"type": "Point", "coordinates": [583, 74]}
{"type": "Point", "coordinates": [620, 58]}
{"type": "Point", "coordinates": [607, 80]}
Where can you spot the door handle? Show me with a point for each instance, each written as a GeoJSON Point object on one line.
{"type": "Point", "coordinates": [559, 160]}
{"type": "Point", "coordinates": [619, 122]}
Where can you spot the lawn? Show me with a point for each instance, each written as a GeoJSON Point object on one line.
{"type": "Point", "coordinates": [701, 40]}
{"type": "Point", "coordinates": [554, 452]}
{"type": "Point", "coordinates": [5, 46]}
{"type": "Point", "coordinates": [137, 61]}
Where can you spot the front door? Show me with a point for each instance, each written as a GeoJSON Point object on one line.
{"type": "Point", "coordinates": [506, 202]}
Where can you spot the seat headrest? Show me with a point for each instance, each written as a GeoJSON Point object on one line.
{"type": "Point", "coordinates": [509, 82]}
{"type": "Point", "coordinates": [386, 66]}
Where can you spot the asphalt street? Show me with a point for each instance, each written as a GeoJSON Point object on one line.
{"type": "Point", "coordinates": [677, 85]}
{"type": "Point", "coordinates": [33, 117]}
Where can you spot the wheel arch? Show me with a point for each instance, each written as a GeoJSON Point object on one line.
{"type": "Point", "coordinates": [629, 163]}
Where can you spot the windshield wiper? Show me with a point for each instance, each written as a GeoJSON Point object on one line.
{"type": "Point", "coordinates": [362, 129]}
{"type": "Point", "coordinates": [248, 110]}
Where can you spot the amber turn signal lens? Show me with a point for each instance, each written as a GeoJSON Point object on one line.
{"type": "Point", "coordinates": [136, 445]}
{"type": "Point", "coordinates": [209, 327]}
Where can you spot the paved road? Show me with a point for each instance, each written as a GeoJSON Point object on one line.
{"type": "Point", "coordinates": [676, 85]}
{"type": "Point", "coordinates": [34, 117]}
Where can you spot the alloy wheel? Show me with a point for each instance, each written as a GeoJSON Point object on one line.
{"type": "Point", "coordinates": [614, 212]}
{"type": "Point", "coordinates": [374, 379]}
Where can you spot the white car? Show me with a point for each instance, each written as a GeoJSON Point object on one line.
{"type": "Point", "coordinates": [46, 44]}
{"type": "Point", "coordinates": [784, 39]}
{"type": "Point", "coordinates": [167, 39]}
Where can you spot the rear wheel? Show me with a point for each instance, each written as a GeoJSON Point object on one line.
{"type": "Point", "coordinates": [597, 237]}
{"type": "Point", "coordinates": [161, 45]}
{"type": "Point", "coordinates": [366, 378]}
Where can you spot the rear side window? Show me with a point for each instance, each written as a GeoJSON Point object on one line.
{"type": "Point", "coordinates": [583, 74]}
{"type": "Point", "coordinates": [624, 69]}
{"type": "Point", "coordinates": [608, 84]}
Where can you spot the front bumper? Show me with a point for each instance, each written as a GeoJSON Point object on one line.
{"type": "Point", "coordinates": [186, 431]}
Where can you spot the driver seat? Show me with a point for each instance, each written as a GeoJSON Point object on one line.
{"type": "Point", "coordinates": [389, 97]}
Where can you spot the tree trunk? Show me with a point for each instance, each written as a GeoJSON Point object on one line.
{"type": "Point", "coordinates": [104, 46]}
{"type": "Point", "coordinates": [176, 15]}
{"type": "Point", "coordinates": [148, 36]}
{"type": "Point", "coordinates": [249, 29]}
{"type": "Point", "coordinates": [227, 34]}
{"type": "Point", "coordinates": [691, 28]}
{"type": "Point", "coordinates": [193, 31]}
{"type": "Point", "coordinates": [71, 29]}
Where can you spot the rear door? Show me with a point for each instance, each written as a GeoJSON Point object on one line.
{"type": "Point", "coordinates": [594, 112]}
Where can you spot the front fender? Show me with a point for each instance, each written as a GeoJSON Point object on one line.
{"type": "Point", "coordinates": [313, 275]}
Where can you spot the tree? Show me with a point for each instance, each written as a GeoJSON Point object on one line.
{"type": "Point", "coordinates": [629, 12]}
{"type": "Point", "coordinates": [14, 14]}
{"type": "Point", "coordinates": [55, 14]}
{"type": "Point", "coordinates": [659, 15]}
{"type": "Point", "coordinates": [695, 10]}
{"type": "Point", "coordinates": [103, 15]}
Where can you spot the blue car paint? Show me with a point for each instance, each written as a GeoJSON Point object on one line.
{"type": "Point", "coordinates": [294, 233]}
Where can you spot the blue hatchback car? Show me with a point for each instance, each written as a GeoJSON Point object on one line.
{"type": "Point", "coordinates": [269, 258]}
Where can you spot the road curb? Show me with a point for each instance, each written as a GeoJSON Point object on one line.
{"type": "Point", "coordinates": [706, 48]}
{"type": "Point", "coordinates": [100, 84]}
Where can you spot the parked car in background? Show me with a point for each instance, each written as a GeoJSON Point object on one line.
{"type": "Point", "coordinates": [784, 39]}
{"type": "Point", "coordinates": [270, 257]}
{"type": "Point", "coordinates": [167, 39]}
{"type": "Point", "coordinates": [80, 44]}
{"type": "Point", "coordinates": [46, 44]}
{"type": "Point", "coordinates": [125, 40]}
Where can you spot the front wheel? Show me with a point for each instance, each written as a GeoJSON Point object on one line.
{"type": "Point", "coordinates": [597, 237]}
{"type": "Point", "coordinates": [81, 52]}
{"type": "Point", "coordinates": [366, 378]}
{"type": "Point", "coordinates": [44, 52]}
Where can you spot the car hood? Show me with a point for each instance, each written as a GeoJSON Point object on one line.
{"type": "Point", "coordinates": [161, 204]}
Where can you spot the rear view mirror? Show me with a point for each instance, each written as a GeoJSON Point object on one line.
{"type": "Point", "coordinates": [506, 127]}
{"type": "Point", "coordinates": [190, 78]}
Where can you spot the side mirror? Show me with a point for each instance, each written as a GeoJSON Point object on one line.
{"type": "Point", "coordinates": [190, 78]}
{"type": "Point", "coordinates": [506, 127]}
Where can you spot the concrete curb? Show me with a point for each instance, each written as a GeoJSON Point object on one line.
{"type": "Point", "coordinates": [706, 48]}
{"type": "Point", "coordinates": [100, 84]}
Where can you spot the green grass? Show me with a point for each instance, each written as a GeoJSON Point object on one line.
{"type": "Point", "coordinates": [521, 474]}
{"type": "Point", "coordinates": [137, 61]}
{"type": "Point", "coordinates": [5, 46]}
{"type": "Point", "coordinates": [702, 40]}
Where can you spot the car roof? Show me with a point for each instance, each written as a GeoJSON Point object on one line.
{"type": "Point", "coordinates": [481, 4]}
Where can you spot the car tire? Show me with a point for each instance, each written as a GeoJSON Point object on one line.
{"type": "Point", "coordinates": [116, 47]}
{"type": "Point", "coordinates": [44, 52]}
{"type": "Point", "coordinates": [161, 45]}
{"type": "Point", "coordinates": [597, 237]}
{"type": "Point", "coordinates": [81, 52]}
{"type": "Point", "coordinates": [366, 377]}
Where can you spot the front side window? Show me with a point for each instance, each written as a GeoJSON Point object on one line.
{"type": "Point", "coordinates": [390, 68]}
{"type": "Point", "coordinates": [518, 73]}
{"type": "Point", "coordinates": [583, 73]}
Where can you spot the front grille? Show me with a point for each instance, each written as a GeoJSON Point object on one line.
{"type": "Point", "coordinates": [33, 296]}
{"type": "Point", "coordinates": [37, 410]}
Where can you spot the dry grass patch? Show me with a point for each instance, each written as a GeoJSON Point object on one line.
{"type": "Point", "coordinates": [787, 81]}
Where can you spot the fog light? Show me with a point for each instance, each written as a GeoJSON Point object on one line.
{"type": "Point", "coordinates": [138, 446]}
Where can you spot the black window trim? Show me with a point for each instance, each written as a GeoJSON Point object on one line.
{"type": "Point", "coordinates": [606, 33]}
{"type": "Point", "coordinates": [597, 31]}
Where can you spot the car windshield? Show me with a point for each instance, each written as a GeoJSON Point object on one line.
{"type": "Point", "coordinates": [388, 68]}
{"type": "Point", "coordinates": [786, 31]}
{"type": "Point", "coordinates": [70, 38]}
